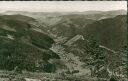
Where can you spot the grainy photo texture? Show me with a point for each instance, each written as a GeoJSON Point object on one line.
{"type": "Point", "coordinates": [63, 41]}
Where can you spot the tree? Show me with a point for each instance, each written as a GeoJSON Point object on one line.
{"type": "Point", "coordinates": [124, 51]}
{"type": "Point", "coordinates": [96, 56]}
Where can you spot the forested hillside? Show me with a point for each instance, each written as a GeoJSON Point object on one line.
{"type": "Point", "coordinates": [22, 47]}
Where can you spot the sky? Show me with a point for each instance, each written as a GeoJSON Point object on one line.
{"type": "Point", "coordinates": [62, 6]}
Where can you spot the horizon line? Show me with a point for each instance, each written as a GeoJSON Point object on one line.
{"type": "Point", "coordinates": [63, 11]}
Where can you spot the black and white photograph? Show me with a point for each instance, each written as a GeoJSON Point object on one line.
{"type": "Point", "coordinates": [63, 41]}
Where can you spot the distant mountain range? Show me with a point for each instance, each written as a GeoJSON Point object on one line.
{"type": "Point", "coordinates": [53, 17]}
